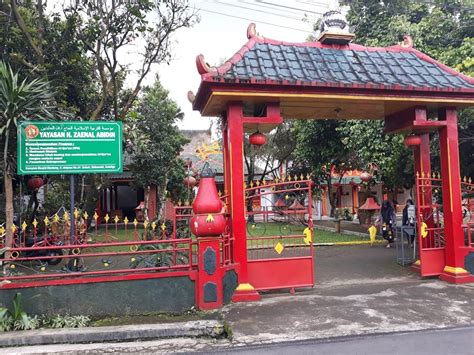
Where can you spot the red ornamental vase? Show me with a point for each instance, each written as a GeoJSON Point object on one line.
{"type": "Point", "coordinates": [207, 199]}
{"type": "Point", "coordinates": [209, 225]}
{"type": "Point", "coordinates": [412, 141]}
{"type": "Point", "coordinates": [35, 183]}
{"type": "Point", "coordinates": [257, 139]}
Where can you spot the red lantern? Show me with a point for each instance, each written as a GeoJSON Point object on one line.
{"type": "Point", "coordinates": [365, 176]}
{"type": "Point", "coordinates": [412, 141]}
{"type": "Point", "coordinates": [190, 181]}
{"type": "Point", "coordinates": [257, 139]}
{"type": "Point", "coordinates": [208, 219]}
{"type": "Point", "coordinates": [35, 183]}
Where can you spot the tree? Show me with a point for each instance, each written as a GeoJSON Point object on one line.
{"type": "Point", "coordinates": [267, 159]}
{"type": "Point", "coordinates": [46, 45]}
{"type": "Point", "coordinates": [373, 146]}
{"type": "Point", "coordinates": [154, 141]}
{"type": "Point", "coordinates": [19, 100]}
{"type": "Point", "coordinates": [107, 29]}
{"type": "Point", "coordinates": [442, 29]}
{"type": "Point", "coordinates": [320, 150]}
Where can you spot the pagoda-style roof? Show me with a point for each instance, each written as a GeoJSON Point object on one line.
{"type": "Point", "coordinates": [313, 79]}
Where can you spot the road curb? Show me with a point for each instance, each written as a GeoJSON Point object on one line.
{"type": "Point", "coordinates": [192, 329]}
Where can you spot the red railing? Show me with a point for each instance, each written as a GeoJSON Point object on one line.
{"type": "Point", "coordinates": [467, 190]}
{"type": "Point", "coordinates": [46, 250]}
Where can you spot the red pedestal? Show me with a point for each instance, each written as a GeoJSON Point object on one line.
{"type": "Point", "coordinates": [209, 291]}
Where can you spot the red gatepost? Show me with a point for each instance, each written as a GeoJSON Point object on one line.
{"type": "Point", "coordinates": [207, 224]}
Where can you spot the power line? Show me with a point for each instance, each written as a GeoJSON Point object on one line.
{"type": "Point", "coordinates": [257, 10]}
{"type": "Point", "coordinates": [289, 7]}
{"type": "Point", "coordinates": [261, 6]}
{"type": "Point", "coordinates": [258, 21]}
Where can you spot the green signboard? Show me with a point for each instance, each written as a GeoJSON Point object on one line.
{"type": "Point", "coordinates": [69, 147]}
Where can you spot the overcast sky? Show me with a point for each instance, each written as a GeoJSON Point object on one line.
{"type": "Point", "coordinates": [222, 32]}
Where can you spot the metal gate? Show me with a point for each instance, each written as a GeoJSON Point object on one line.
{"type": "Point", "coordinates": [430, 224]}
{"type": "Point", "coordinates": [279, 234]}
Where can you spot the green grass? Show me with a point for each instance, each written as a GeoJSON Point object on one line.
{"type": "Point", "coordinates": [281, 230]}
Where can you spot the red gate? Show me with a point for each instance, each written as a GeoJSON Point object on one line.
{"type": "Point", "coordinates": [430, 224]}
{"type": "Point", "coordinates": [467, 190]}
{"type": "Point", "coordinates": [279, 234]}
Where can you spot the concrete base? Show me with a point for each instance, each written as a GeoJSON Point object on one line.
{"type": "Point", "coordinates": [245, 292]}
{"type": "Point", "coordinates": [246, 295]}
{"type": "Point", "coordinates": [457, 278]}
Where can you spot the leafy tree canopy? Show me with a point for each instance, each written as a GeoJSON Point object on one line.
{"type": "Point", "coordinates": [154, 142]}
{"type": "Point", "coordinates": [442, 29]}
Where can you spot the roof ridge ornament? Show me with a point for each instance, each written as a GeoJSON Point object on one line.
{"type": "Point", "coordinates": [203, 67]}
{"type": "Point", "coordinates": [252, 31]}
{"type": "Point", "coordinates": [407, 42]}
{"type": "Point", "coordinates": [334, 29]}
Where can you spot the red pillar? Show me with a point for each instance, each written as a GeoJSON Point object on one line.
{"type": "Point", "coordinates": [235, 128]}
{"type": "Point", "coordinates": [452, 210]}
{"type": "Point", "coordinates": [226, 157]}
{"type": "Point", "coordinates": [422, 162]}
{"type": "Point", "coordinates": [355, 199]}
{"type": "Point", "coordinates": [152, 202]}
{"type": "Point", "coordinates": [324, 208]}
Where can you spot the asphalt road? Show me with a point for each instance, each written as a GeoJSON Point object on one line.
{"type": "Point", "coordinates": [458, 341]}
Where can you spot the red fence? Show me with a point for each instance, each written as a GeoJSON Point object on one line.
{"type": "Point", "coordinates": [467, 190]}
{"type": "Point", "coordinates": [280, 250]}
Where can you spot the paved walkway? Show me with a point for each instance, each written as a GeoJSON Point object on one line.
{"type": "Point", "coordinates": [360, 290]}
{"type": "Point", "coordinates": [345, 226]}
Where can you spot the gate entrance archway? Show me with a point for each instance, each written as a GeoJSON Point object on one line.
{"type": "Point", "coordinates": [267, 81]}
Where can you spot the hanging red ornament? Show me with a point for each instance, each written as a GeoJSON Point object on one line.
{"type": "Point", "coordinates": [412, 141]}
{"type": "Point", "coordinates": [35, 183]}
{"type": "Point", "coordinates": [257, 139]}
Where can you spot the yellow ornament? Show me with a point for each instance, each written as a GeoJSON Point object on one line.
{"type": "Point", "coordinates": [308, 236]}
{"type": "Point", "coordinates": [279, 248]}
{"type": "Point", "coordinates": [424, 230]}
{"type": "Point", "coordinates": [372, 233]}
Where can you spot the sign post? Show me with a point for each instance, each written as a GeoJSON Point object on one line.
{"type": "Point", "coordinates": [70, 147]}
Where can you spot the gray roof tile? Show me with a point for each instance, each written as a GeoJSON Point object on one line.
{"type": "Point", "coordinates": [344, 66]}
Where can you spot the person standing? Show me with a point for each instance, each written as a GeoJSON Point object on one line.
{"type": "Point", "coordinates": [388, 220]}
{"type": "Point", "coordinates": [408, 220]}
